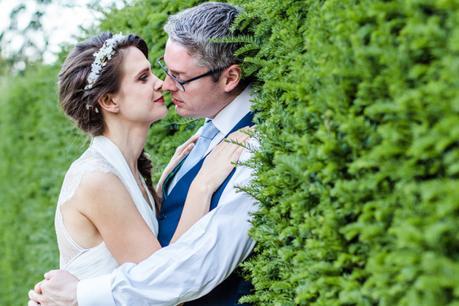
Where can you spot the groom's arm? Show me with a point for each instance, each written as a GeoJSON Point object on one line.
{"type": "Point", "coordinates": [188, 269]}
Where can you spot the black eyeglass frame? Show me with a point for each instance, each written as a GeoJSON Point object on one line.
{"type": "Point", "coordinates": [181, 82]}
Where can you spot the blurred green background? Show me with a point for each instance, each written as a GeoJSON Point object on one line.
{"type": "Point", "coordinates": [357, 176]}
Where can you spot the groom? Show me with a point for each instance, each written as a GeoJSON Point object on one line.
{"type": "Point", "coordinates": [204, 78]}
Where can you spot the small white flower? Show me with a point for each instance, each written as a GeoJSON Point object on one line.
{"type": "Point", "coordinates": [101, 57]}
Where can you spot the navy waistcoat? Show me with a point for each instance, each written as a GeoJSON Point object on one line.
{"type": "Point", "coordinates": [232, 288]}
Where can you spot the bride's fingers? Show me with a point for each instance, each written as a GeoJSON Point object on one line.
{"type": "Point", "coordinates": [37, 288]}
{"type": "Point", "coordinates": [188, 148]}
{"type": "Point", "coordinates": [183, 152]}
{"type": "Point", "coordinates": [192, 140]}
{"type": "Point", "coordinates": [225, 162]}
{"type": "Point", "coordinates": [233, 158]}
{"type": "Point", "coordinates": [235, 155]}
{"type": "Point", "coordinates": [227, 152]}
{"type": "Point", "coordinates": [48, 275]}
{"type": "Point", "coordinates": [35, 297]}
{"type": "Point", "coordinates": [232, 145]}
{"type": "Point", "coordinates": [238, 137]}
{"type": "Point", "coordinates": [247, 131]}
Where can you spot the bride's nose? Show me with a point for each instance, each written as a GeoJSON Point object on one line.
{"type": "Point", "coordinates": [158, 85]}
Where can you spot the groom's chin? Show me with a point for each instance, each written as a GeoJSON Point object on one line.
{"type": "Point", "coordinates": [182, 112]}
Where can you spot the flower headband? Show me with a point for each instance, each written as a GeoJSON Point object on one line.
{"type": "Point", "coordinates": [102, 56]}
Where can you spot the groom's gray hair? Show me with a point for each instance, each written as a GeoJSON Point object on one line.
{"type": "Point", "coordinates": [194, 28]}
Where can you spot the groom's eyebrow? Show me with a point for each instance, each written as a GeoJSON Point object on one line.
{"type": "Point", "coordinates": [173, 71]}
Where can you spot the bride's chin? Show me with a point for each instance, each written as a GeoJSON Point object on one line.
{"type": "Point", "coordinates": [158, 117]}
{"type": "Point", "coordinates": [164, 113]}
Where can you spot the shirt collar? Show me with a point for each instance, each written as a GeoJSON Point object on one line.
{"type": "Point", "coordinates": [234, 111]}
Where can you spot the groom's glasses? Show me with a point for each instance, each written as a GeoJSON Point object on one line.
{"type": "Point", "coordinates": [181, 83]}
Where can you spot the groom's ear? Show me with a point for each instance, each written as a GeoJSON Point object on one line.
{"type": "Point", "coordinates": [109, 103]}
{"type": "Point", "coordinates": [231, 77]}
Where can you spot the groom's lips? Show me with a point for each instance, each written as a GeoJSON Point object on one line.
{"type": "Point", "coordinates": [176, 101]}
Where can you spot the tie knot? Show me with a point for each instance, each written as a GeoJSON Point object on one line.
{"type": "Point", "coordinates": [209, 130]}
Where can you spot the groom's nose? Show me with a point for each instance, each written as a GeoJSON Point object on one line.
{"type": "Point", "coordinates": [169, 84]}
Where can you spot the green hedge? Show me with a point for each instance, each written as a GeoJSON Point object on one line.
{"type": "Point", "coordinates": [37, 145]}
{"type": "Point", "coordinates": [358, 171]}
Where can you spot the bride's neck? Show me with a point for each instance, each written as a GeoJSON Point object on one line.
{"type": "Point", "coordinates": [130, 141]}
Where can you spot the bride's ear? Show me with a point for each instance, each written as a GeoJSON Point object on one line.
{"type": "Point", "coordinates": [109, 103]}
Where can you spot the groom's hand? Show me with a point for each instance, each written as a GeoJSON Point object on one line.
{"type": "Point", "coordinates": [59, 288]}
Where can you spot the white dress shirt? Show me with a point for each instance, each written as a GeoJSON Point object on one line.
{"type": "Point", "coordinates": [199, 260]}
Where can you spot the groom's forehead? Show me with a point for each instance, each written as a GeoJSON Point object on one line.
{"type": "Point", "coordinates": [178, 58]}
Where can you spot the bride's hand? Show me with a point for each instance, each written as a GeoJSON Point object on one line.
{"type": "Point", "coordinates": [216, 167]}
{"type": "Point", "coordinates": [179, 154]}
{"type": "Point", "coordinates": [220, 162]}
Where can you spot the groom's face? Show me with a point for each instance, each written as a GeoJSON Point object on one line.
{"type": "Point", "coordinates": [200, 98]}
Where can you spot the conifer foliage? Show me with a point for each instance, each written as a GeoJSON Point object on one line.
{"type": "Point", "coordinates": [358, 172]}
{"type": "Point", "coordinates": [357, 175]}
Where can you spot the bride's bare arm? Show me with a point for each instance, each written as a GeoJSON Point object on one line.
{"type": "Point", "coordinates": [104, 201]}
{"type": "Point", "coordinates": [216, 167]}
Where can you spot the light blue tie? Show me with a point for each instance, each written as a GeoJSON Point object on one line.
{"type": "Point", "coordinates": [209, 131]}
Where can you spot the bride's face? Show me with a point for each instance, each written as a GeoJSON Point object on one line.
{"type": "Point", "coordinates": [139, 98]}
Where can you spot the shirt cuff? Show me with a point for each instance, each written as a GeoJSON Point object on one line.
{"type": "Point", "coordinates": [95, 291]}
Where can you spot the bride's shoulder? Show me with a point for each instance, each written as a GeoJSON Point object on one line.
{"type": "Point", "coordinates": [90, 161]}
{"type": "Point", "coordinates": [90, 171]}
{"type": "Point", "coordinates": [89, 166]}
{"type": "Point", "coordinates": [94, 175]}
{"type": "Point", "coordinates": [97, 183]}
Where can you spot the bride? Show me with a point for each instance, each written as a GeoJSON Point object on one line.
{"type": "Point", "coordinates": [106, 211]}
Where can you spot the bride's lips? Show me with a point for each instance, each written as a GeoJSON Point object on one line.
{"type": "Point", "coordinates": [159, 100]}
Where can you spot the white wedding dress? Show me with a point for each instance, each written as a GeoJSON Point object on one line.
{"type": "Point", "coordinates": [103, 156]}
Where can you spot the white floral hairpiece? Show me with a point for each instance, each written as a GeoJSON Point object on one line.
{"type": "Point", "coordinates": [102, 56]}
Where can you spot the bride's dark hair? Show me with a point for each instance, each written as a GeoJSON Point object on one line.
{"type": "Point", "coordinates": [81, 104]}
